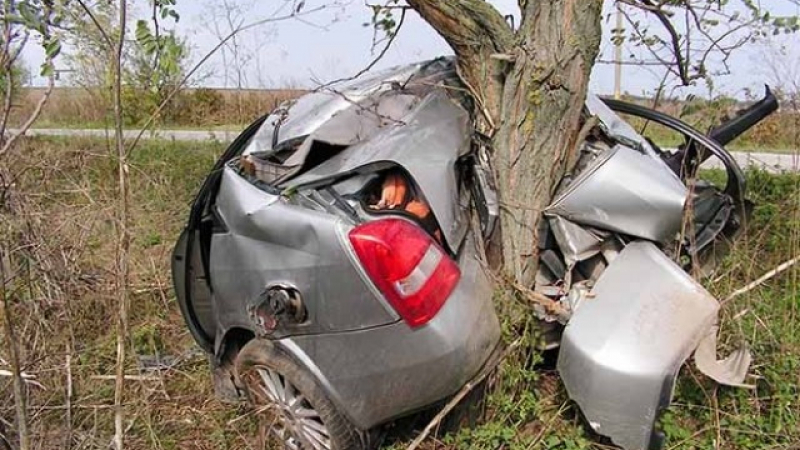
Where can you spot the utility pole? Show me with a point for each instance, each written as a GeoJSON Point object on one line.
{"type": "Point", "coordinates": [618, 57]}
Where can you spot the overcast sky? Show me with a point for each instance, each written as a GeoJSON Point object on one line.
{"type": "Point", "coordinates": [334, 43]}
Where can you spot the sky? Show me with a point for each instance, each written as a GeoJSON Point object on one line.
{"type": "Point", "coordinates": [334, 43]}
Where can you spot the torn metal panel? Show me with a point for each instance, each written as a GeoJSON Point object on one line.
{"type": "Point", "coordinates": [731, 371]}
{"type": "Point", "coordinates": [616, 128]}
{"type": "Point", "coordinates": [364, 119]}
{"type": "Point", "coordinates": [305, 115]}
{"type": "Point", "coordinates": [624, 346]}
{"type": "Point", "coordinates": [576, 243]}
{"type": "Point", "coordinates": [436, 133]}
{"type": "Point", "coordinates": [627, 192]}
{"type": "Point", "coordinates": [310, 112]}
{"type": "Point", "coordinates": [356, 123]}
{"type": "Point", "coordinates": [484, 193]}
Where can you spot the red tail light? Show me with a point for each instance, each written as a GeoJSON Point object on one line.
{"type": "Point", "coordinates": [408, 267]}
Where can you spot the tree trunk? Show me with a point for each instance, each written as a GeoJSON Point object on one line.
{"type": "Point", "coordinates": [530, 87]}
{"type": "Point", "coordinates": [543, 98]}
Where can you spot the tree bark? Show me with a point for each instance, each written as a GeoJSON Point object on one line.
{"type": "Point", "coordinates": [476, 32]}
{"type": "Point", "coordinates": [543, 98]}
{"type": "Point", "coordinates": [530, 86]}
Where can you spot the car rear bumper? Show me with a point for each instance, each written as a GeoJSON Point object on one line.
{"type": "Point", "coordinates": [380, 374]}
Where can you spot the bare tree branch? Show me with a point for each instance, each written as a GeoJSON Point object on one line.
{"type": "Point", "coordinates": [100, 28]}
{"type": "Point", "coordinates": [9, 142]}
{"type": "Point", "coordinates": [205, 58]}
{"type": "Point", "coordinates": [675, 38]}
{"type": "Point", "coordinates": [123, 242]}
{"type": "Point", "coordinates": [375, 60]}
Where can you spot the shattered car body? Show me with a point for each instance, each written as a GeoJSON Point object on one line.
{"type": "Point", "coordinates": [296, 236]}
{"type": "Point", "coordinates": [297, 241]}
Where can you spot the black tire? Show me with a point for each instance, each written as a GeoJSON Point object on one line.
{"type": "Point", "coordinates": [259, 359]}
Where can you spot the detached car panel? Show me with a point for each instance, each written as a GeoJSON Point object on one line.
{"type": "Point", "coordinates": [623, 347]}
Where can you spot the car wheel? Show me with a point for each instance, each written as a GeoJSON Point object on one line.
{"type": "Point", "coordinates": [289, 402]}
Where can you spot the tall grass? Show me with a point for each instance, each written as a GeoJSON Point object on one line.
{"type": "Point", "coordinates": [64, 299]}
{"type": "Point", "coordinates": [202, 107]}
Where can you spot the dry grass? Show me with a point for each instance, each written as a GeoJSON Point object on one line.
{"type": "Point", "coordinates": [64, 301]}
{"type": "Point", "coordinates": [82, 108]}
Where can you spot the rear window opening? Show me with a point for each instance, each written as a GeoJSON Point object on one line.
{"type": "Point", "coordinates": [393, 192]}
{"type": "Point", "coordinates": [389, 192]}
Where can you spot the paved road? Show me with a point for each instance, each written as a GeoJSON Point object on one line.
{"type": "Point", "coordinates": [772, 162]}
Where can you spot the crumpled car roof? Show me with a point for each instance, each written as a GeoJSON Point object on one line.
{"type": "Point", "coordinates": [402, 117]}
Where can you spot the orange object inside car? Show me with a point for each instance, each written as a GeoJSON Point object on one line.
{"type": "Point", "coordinates": [393, 192]}
{"type": "Point", "coordinates": [397, 194]}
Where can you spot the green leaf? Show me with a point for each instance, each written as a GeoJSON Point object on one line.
{"type": "Point", "coordinates": [48, 70]}
{"type": "Point", "coordinates": [29, 15]}
{"type": "Point", "coordinates": [52, 48]}
{"type": "Point", "coordinates": [145, 38]}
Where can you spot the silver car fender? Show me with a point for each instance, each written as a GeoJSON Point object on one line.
{"type": "Point", "coordinates": [623, 347]}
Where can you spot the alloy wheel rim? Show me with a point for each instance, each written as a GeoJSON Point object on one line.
{"type": "Point", "coordinates": [299, 426]}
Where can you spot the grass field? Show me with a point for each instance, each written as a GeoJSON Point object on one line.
{"type": "Point", "coordinates": [230, 110]}
{"type": "Point", "coordinates": [64, 306]}
{"type": "Point", "coordinates": [779, 133]}
{"type": "Point", "coordinates": [192, 108]}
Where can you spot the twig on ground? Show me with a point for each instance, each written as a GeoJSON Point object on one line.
{"type": "Point", "coordinates": [27, 378]}
{"type": "Point", "coordinates": [68, 405]}
{"type": "Point", "coordinates": [126, 377]}
{"type": "Point", "coordinates": [766, 277]}
{"type": "Point", "coordinates": [487, 369]}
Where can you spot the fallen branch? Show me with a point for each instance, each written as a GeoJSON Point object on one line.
{"type": "Point", "coordinates": [766, 277]}
{"type": "Point", "coordinates": [550, 306]}
{"type": "Point", "coordinates": [28, 379]}
{"type": "Point", "coordinates": [487, 369]}
{"type": "Point", "coordinates": [126, 377]}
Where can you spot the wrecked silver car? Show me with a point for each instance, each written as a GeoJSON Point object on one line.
{"type": "Point", "coordinates": [330, 265]}
{"type": "Point", "coordinates": [327, 264]}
